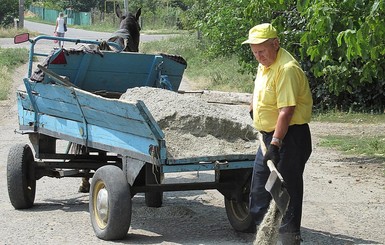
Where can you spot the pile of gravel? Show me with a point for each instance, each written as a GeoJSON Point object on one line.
{"type": "Point", "coordinates": [194, 126]}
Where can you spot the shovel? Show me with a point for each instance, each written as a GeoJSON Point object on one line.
{"type": "Point", "coordinates": [275, 184]}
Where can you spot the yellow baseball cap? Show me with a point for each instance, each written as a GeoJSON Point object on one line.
{"type": "Point", "coordinates": [261, 33]}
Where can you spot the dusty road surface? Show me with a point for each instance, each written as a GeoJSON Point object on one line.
{"type": "Point", "coordinates": [344, 201]}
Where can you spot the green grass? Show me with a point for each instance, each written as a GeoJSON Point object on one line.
{"type": "Point", "coordinates": [361, 146]}
{"type": "Point", "coordinates": [348, 117]}
{"type": "Point", "coordinates": [5, 82]}
{"type": "Point", "coordinates": [9, 59]}
{"type": "Point", "coordinates": [371, 146]}
{"type": "Point", "coordinates": [11, 32]}
{"type": "Point", "coordinates": [12, 57]}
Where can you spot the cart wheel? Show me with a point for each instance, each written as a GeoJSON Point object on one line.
{"type": "Point", "coordinates": [110, 203]}
{"type": "Point", "coordinates": [20, 176]}
{"type": "Point", "coordinates": [238, 212]}
{"type": "Point", "coordinates": [239, 216]}
{"type": "Point", "coordinates": [153, 199]}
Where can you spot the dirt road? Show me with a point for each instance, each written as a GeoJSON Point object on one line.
{"type": "Point", "coordinates": [344, 201]}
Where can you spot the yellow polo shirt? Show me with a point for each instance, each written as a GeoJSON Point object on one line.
{"type": "Point", "coordinates": [280, 85]}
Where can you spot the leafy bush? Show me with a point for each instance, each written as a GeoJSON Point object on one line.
{"type": "Point", "coordinates": [345, 44]}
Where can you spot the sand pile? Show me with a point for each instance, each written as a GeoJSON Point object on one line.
{"type": "Point", "coordinates": [197, 127]}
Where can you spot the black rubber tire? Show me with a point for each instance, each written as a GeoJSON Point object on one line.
{"type": "Point", "coordinates": [238, 212]}
{"type": "Point", "coordinates": [21, 179]}
{"type": "Point", "coordinates": [115, 225]}
{"type": "Point", "coordinates": [153, 199]}
{"type": "Point", "coordinates": [239, 216]}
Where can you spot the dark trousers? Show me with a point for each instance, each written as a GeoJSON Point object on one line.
{"type": "Point", "coordinates": [295, 151]}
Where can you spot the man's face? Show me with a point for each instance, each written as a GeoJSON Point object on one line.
{"type": "Point", "coordinates": [266, 52]}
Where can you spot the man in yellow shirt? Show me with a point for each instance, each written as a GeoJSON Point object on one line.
{"type": "Point", "coordinates": [281, 110]}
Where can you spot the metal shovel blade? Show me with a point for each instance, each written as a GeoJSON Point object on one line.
{"type": "Point", "coordinates": [278, 191]}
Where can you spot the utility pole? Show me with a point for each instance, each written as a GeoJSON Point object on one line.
{"type": "Point", "coordinates": [21, 14]}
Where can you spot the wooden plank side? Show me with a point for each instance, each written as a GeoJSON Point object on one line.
{"type": "Point", "coordinates": [112, 72]}
{"type": "Point", "coordinates": [71, 130]}
{"type": "Point", "coordinates": [51, 92]}
{"type": "Point", "coordinates": [111, 121]}
{"type": "Point", "coordinates": [117, 72]}
{"type": "Point", "coordinates": [24, 109]}
{"type": "Point", "coordinates": [119, 115]}
{"type": "Point", "coordinates": [114, 81]}
{"type": "Point", "coordinates": [106, 119]}
{"type": "Point", "coordinates": [110, 62]}
{"type": "Point", "coordinates": [52, 100]}
{"type": "Point", "coordinates": [114, 62]}
{"type": "Point", "coordinates": [122, 108]}
{"type": "Point", "coordinates": [61, 109]}
{"type": "Point", "coordinates": [108, 113]}
{"type": "Point", "coordinates": [118, 62]}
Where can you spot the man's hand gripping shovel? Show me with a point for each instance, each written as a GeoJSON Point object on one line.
{"type": "Point", "coordinates": [275, 184]}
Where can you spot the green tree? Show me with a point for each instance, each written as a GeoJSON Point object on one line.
{"type": "Point", "coordinates": [80, 6]}
{"type": "Point", "coordinates": [195, 11]}
{"type": "Point", "coordinates": [226, 25]}
{"type": "Point", "coordinates": [9, 9]}
{"type": "Point", "coordinates": [161, 13]}
{"type": "Point", "coordinates": [346, 47]}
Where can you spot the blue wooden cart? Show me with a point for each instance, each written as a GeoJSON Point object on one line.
{"type": "Point", "coordinates": [124, 150]}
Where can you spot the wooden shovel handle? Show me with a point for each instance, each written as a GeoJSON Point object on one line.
{"type": "Point", "coordinates": [270, 163]}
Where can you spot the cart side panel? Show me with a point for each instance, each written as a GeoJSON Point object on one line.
{"type": "Point", "coordinates": [116, 72]}
{"type": "Point", "coordinates": [98, 137]}
{"type": "Point", "coordinates": [63, 102]}
{"type": "Point", "coordinates": [57, 102]}
{"type": "Point", "coordinates": [92, 121]}
{"type": "Point", "coordinates": [109, 71]}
